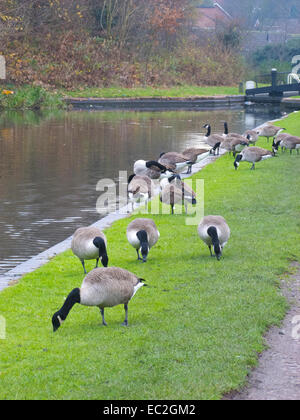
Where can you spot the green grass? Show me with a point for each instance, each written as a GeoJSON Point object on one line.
{"type": "Point", "coordinates": [30, 97]}
{"type": "Point", "coordinates": [175, 92]}
{"type": "Point", "coordinates": [196, 331]}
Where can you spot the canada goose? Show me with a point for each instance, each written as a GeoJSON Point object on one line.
{"type": "Point", "coordinates": [195, 155]}
{"type": "Point", "coordinates": [151, 168]}
{"type": "Point", "coordinates": [269, 130]}
{"type": "Point", "coordinates": [140, 189]}
{"type": "Point", "coordinates": [174, 191]}
{"type": "Point", "coordinates": [213, 140]}
{"type": "Point", "coordinates": [288, 142]}
{"type": "Point", "coordinates": [227, 134]}
{"type": "Point", "coordinates": [251, 135]}
{"type": "Point", "coordinates": [142, 234]}
{"type": "Point", "coordinates": [174, 161]}
{"type": "Point", "coordinates": [102, 287]}
{"type": "Point", "coordinates": [253, 154]}
{"type": "Point", "coordinates": [234, 144]}
{"type": "Point", "coordinates": [214, 231]}
{"type": "Point", "coordinates": [90, 243]}
{"type": "Point", "coordinates": [278, 138]}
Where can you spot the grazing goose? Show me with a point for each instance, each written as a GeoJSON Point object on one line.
{"type": "Point", "coordinates": [174, 161]}
{"type": "Point", "coordinates": [214, 231]}
{"type": "Point", "coordinates": [279, 137]}
{"type": "Point", "coordinates": [102, 287]}
{"type": "Point", "coordinates": [288, 142]}
{"type": "Point", "coordinates": [213, 140]}
{"type": "Point", "coordinates": [234, 144]}
{"type": "Point", "coordinates": [174, 191]}
{"type": "Point", "coordinates": [269, 130]}
{"type": "Point", "coordinates": [253, 154]}
{"type": "Point", "coordinates": [142, 234]}
{"type": "Point", "coordinates": [252, 136]}
{"type": "Point", "coordinates": [140, 189]}
{"type": "Point", "coordinates": [90, 243]}
{"type": "Point", "coordinates": [151, 168]}
{"type": "Point", "coordinates": [195, 155]}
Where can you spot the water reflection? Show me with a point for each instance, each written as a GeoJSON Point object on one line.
{"type": "Point", "coordinates": [50, 164]}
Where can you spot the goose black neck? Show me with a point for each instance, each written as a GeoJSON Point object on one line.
{"type": "Point", "coordinates": [212, 232]}
{"type": "Point", "coordinates": [157, 164]}
{"type": "Point", "coordinates": [143, 238]}
{"type": "Point", "coordinates": [208, 131]}
{"type": "Point", "coordinates": [100, 244]}
{"type": "Point", "coordinates": [175, 176]}
{"type": "Point", "coordinates": [225, 128]}
{"type": "Point", "coordinates": [238, 158]}
{"type": "Point", "coordinates": [130, 178]}
{"type": "Point", "coordinates": [73, 297]}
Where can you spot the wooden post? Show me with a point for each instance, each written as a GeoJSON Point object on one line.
{"type": "Point", "coordinates": [274, 78]}
{"type": "Point", "coordinates": [2, 68]}
{"type": "Point", "coordinates": [275, 91]}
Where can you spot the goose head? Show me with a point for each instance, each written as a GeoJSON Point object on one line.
{"type": "Point", "coordinates": [237, 161]}
{"type": "Point", "coordinates": [275, 146]}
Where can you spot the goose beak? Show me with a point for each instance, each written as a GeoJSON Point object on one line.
{"type": "Point", "coordinates": [219, 256]}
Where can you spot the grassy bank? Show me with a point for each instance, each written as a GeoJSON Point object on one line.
{"type": "Point", "coordinates": [29, 97]}
{"type": "Point", "coordinates": [195, 332]}
{"type": "Point", "coordinates": [36, 97]}
{"type": "Point", "coordinates": [174, 92]}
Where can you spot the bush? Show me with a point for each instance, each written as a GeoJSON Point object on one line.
{"type": "Point", "coordinates": [29, 97]}
{"type": "Point", "coordinates": [280, 53]}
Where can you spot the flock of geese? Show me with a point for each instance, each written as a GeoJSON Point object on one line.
{"type": "Point", "coordinates": [110, 286]}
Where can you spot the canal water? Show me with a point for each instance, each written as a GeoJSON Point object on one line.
{"type": "Point", "coordinates": [50, 164]}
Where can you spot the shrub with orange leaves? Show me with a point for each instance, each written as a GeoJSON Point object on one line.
{"type": "Point", "coordinates": [7, 92]}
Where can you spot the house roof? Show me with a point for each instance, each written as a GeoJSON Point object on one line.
{"type": "Point", "coordinates": [209, 16]}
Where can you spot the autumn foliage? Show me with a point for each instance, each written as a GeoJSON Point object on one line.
{"type": "Point", "coordinates": [66, 43]}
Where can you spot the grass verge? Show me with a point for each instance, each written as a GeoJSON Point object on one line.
{"type": "Point", "coordinates": [175, 92]}
{"type": "Point", "coordinates": [195, 332]}
{"type": "Point", "coordinates": [29, 97]}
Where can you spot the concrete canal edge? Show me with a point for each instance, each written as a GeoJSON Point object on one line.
{"type": "Point", "coordinates": [195, 103]}
{"type": "Point", "coordinates": [191, 104]}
